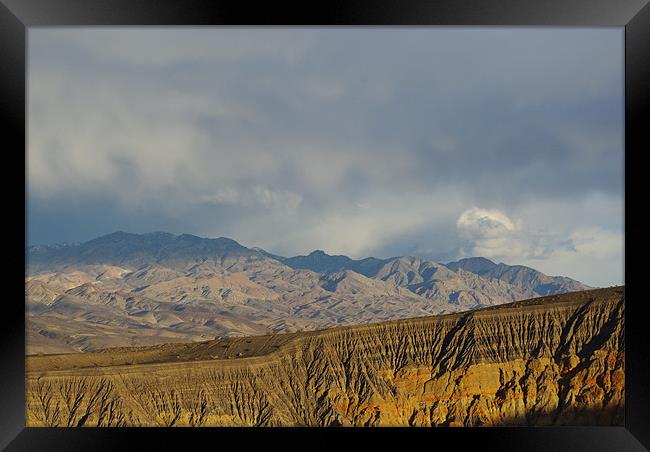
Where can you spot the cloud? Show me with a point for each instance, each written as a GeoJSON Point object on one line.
{"type": "Point", "coordinates": [484, 222]}
{"type": "Point", "coordinates": [278, 201]}
{"type": "Point", "coordinates": [373, 141]}
{"type": "Point", "coordinates": [165, 47]}
{"type": "Point", "coordinates": [358, 227]}
{"type": "Point", "coordinates": [590, 254]}
{"type": "Point", "coordinates": [596, 258]}
{"type": "Point", "coordinates": [491, 233]}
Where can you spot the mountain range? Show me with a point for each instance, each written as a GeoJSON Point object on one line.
{"type": "Point", "coordinates": [126, 289]}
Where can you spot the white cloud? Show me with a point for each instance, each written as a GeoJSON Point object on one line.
{"type": "Point", "coordinates": [484, 222]}
{"type": "Point", "coordinates": [490, 233]}
{"type": "Point", "coordinates": [592, 255]}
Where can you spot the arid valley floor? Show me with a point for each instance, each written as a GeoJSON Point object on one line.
{"type": "Point", "coordinates": [556, 360]}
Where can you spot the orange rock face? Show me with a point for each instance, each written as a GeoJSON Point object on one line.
{"type": "Point", "coordinates": [553, 361]}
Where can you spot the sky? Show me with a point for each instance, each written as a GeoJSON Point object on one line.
{"type": "Point", "coordinates": [438, 142]}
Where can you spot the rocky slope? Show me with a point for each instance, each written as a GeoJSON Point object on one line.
{"type": "Point", "coordinates": [140, 289]}
{"type": "Point", "coordinates": [528, 280]}
{"type": "Point", "coordinates": [549, 361]}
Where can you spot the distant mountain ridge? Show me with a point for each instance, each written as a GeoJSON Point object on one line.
{"type": "Point", "coordinates": [139, 289]}
{"type": "Point", "coordinates": [529, 280]}
{"type": "Point", "coordinates": [124, 248]}
{"type": "Point", "coordinates": [520, 276]}
{"type": "Point", "coordinates": [319, 261]}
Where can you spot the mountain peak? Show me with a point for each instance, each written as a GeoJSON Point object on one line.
{"type": "Point", "coordinates": [478, 265]}
{"type": "Point", "coordinates": [116, 234]}
{"type": "Point", "coordinates": [191, 237]}
{"type": "Point", "coordinates": [137, 250]}
{"type": "Point", "coordinates": [159, 234]}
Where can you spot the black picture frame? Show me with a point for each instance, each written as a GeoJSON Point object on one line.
{"type": "Point", "coordinates": [16, 16]}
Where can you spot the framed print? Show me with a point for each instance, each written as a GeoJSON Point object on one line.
{"type": "Point", "coordinates": [256, 221]}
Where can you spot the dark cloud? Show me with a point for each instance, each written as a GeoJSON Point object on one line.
{"type": "Point", "coordinates": [357, 141]}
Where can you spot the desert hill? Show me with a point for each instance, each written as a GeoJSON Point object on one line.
{"type": "Point", "coordinates": [556, 360]}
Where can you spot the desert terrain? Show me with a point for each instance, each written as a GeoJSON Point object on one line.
{"type": "Point", "coordinates": [127, 289]}
{"type": "Point", "coordinates": [555, 360]}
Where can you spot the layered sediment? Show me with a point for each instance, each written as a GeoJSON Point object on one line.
{"type": "Point", "coordinates": [556, 360]}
